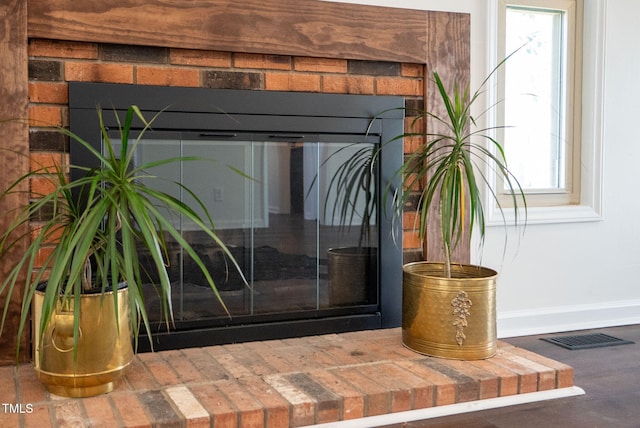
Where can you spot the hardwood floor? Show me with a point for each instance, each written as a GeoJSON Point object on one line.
{"type": "Point", "coordinates": [610, 377]}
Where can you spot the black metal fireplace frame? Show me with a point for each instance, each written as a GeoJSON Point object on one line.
{"type": "Point", "coordinates": [221, 112]}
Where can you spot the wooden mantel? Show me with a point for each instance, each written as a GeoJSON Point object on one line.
{"type": "Point", "coordinates": [287, 27]}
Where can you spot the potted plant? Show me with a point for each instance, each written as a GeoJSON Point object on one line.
{"type": "Point", "coordinates": [86, 296]}
{"type": "Point", "coordinates": [350, 200]}
{"type": "Point", "coordinates": [448, 308]}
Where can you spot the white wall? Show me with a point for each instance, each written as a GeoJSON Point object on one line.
{"type": "Point", "coordinates": [568, 276]}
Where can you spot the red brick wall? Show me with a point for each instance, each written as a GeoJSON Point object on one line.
{"type": "Point", "coordinates": [52, 64]}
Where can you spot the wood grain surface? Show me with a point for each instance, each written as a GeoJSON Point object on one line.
{"type": "Point", "coordinates": [14, 145]}
{"type": "Point", "coordinates": [448, 53]}
{"type": "Point", "coordinates": [288, 27]}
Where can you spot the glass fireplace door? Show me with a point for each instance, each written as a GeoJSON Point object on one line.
{"type": "Point", "coordinates": [298, 213]}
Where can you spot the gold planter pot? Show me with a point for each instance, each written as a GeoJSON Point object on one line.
{"type": "Point", "coordinates": [104, 347]}
{"type": "Point", "coordinates": [449, 317]}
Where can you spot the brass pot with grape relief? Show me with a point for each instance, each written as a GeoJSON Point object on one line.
{"type": "Point", "coordinates": [449, 317]}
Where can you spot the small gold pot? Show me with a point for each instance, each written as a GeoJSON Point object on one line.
{"type": "Point", "coordinates": [449, 317]}
{"type": "Point", "coordinates": [104, 346]}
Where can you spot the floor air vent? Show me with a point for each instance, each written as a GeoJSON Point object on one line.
{"type": "Point", "coordinates": [586, 341]}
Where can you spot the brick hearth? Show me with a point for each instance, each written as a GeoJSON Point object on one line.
{"type": "Point", "coordinates": [282, 383]}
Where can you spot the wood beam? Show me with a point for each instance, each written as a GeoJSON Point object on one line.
{"type": "Point", "coordinates": [287, 27]}
{"type": "Point", "coordinates": [448, 53]}
{"type": "Point", "coordinates": [14, 146]}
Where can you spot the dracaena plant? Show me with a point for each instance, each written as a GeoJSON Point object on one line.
{"type": "Point", "coordinates": [98, 234]}
{"type": "Point", "coordinates": [450, 168]}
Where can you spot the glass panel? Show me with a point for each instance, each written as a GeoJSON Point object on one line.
{"type": "Point", "coordinates": [534, 98]}
{"type": "Point", "coordinates": [227, 196]}
{"type": "Point", "coordinates": [303, 227]}
{"type": "Point", "coordinates": [285, 240]}
{"type": "Point", "coordinates": [348, 204]}
{"type": "Point", "coordinates": [191, 297]}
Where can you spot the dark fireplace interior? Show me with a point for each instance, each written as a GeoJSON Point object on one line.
{"type": "Point", "coordinates": [319, 257]}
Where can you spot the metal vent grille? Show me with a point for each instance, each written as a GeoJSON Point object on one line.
{"type": "Point", "coordinates": [586, 341]}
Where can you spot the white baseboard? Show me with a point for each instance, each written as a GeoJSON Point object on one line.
{"type": "Point", "coordinates": [568, 318]}
{"type": "Point", "coordinates": [453, 409]}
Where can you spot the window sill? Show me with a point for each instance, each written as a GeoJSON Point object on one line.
{"type": "Point", "coordinates": [545, 215]}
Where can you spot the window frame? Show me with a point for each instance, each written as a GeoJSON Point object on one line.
{"type": "Point", "coordinates": [586, 205]}
{"type": "Point", "coordinates": [570, 99]}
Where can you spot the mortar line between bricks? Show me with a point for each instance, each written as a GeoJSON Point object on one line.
{"type": "Point", "coordinates": [320, 400]}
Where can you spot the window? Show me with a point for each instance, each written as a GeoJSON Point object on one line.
{"type": "Point", "coordinates": [541, 98]}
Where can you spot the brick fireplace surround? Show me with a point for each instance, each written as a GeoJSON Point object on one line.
{"type": "Point", "coordinates": [257, 45]}
{"type": "Point", "coordinates": [53, 63]}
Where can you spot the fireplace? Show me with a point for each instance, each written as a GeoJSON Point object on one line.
{"type": "Point", "coordinates": [317, 262]}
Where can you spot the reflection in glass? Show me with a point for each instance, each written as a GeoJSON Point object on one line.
{"type": "Point", "coordinates": [301, 223]}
